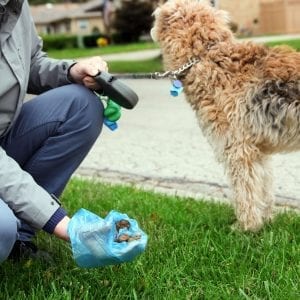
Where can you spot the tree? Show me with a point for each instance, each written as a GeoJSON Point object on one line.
{"type": "Point", "coordinates": [133, 19]}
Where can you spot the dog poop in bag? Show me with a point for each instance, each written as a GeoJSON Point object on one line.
{"type": "Point", "coordinates": [123, 233]}
{"type": "Point", "coordinates": [100, 242]}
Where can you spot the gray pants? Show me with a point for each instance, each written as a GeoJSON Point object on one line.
{"type": "Point", "coordinates": [8, 230]}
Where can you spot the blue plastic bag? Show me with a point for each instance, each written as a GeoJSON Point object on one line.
{"type": "Point", "coordinates": [95, 243]}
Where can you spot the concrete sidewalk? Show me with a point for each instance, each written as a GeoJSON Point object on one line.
{"type": "Point", "coordinates": [159, 146]}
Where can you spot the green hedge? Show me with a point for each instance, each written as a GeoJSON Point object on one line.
{"type": "Point", "coordinates": [60, 41]}
{"type": "Point", "coordinates": [90, 41]}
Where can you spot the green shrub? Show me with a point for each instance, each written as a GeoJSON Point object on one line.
{"type": "Point", "coordinates": [60, 41]}
{"type": "Point", "coordinates": [90, 41]}
{"type": "Point", "coordinates": [117, 38]}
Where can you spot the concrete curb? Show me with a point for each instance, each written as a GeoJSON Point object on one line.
{"type": "Point", "coordinates": [198, 190]}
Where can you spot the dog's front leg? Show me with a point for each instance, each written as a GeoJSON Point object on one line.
{"type": "Point", "coordinates": [251, 181]}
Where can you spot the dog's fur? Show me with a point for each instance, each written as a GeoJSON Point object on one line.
{"type": "Point", "coordinates": [246, 98]}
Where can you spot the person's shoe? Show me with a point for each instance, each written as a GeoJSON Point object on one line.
{"type": "Point", "coordinates": [27, 250]}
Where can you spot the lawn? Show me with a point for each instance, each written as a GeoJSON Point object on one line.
{"type": "Point", "coordinates": [192, 254]}
{"type": "Point", "coordinates": [292, 43]}
{"type": "Point", "coordinates": [110, 49]}
{"type": "Point", "coordinates": [138, 66]}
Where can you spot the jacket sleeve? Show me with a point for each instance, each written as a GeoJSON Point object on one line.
{"type": "Point", "coordinates": [23, 195]}
{"type": "Point", "coordinates": [45, 72]}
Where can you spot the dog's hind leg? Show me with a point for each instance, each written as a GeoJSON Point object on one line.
{"type": "Point", "coordinates": [251, 181]}
{"type": "Point", "coordinates": [268, 190]}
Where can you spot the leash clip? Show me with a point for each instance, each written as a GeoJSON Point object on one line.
{"type": "Point", "coordinates": [158, 75]}
{"type": "Point", "coordinates": [189, 64]}
{"type": "Point", "coordinates": [174, 74]}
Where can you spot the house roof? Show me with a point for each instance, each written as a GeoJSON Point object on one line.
{"type": "Point", "coordinates": [50, 13]}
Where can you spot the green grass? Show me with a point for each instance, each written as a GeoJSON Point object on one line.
{"type": "Point", "coordinates": [138, 66]}
{"type": "Point", "coordinates": [292, 43]}
{"type": "Point", "coordinates": [110, 49]}
{"type": "Point", "coordinates": [192, 254]}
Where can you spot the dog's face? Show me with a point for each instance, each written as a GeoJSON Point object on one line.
{"type": "Point", "coordinates": [188, 27]}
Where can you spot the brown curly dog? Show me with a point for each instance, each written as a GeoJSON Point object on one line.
{"type": "Point", "coordinates": [246, 98]}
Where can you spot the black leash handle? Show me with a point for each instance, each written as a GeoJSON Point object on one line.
{"type": "Point", "coordinates": [116, 90]}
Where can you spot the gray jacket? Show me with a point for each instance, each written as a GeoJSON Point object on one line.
{"type": "Point", "coordinates": [23, 68]}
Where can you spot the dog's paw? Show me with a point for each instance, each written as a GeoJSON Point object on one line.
{"type": "Point", "coordinates": [237, 226]}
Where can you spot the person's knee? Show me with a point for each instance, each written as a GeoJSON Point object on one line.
{"type": "Point", "coordinates": [91, 112]}
{"type": "Point", "coordinates": [8, 232]}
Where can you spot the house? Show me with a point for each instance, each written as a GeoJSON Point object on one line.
{"type": "Point", "coordinates": [251, 17]}
{"type": "Point", "coordinates": [69, 18]}
{"type": "Point", "coordinates": [255, 17]}
{"type": "Point", "coordinates": [280, 16]}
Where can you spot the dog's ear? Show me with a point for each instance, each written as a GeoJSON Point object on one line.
{"type": "Point", "coordinates": [156, 12]}
{"type": "Point", "coordinates": [223, 15]}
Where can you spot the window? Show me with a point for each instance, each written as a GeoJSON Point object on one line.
{"type": "Point", "coordinates": [83, 24]}
{"type": "Point", "coordinates": [214, 3]}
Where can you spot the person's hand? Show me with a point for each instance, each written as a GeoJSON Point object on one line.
{"type": "Point", "coordinates": [61, 229]}
{"type": "Point", "coordinates": [84, 70]}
